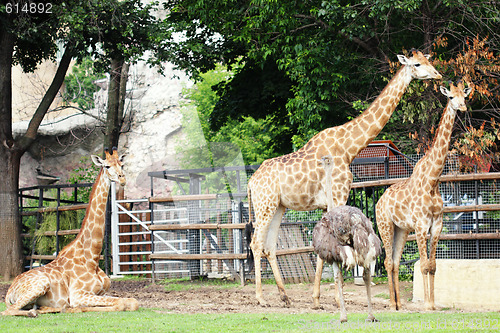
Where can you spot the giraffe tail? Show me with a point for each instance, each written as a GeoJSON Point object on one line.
{"type": "Point", "coordinates": [248, 234]}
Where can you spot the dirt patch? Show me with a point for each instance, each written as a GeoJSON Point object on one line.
{"type": "Point", "coordinates": [220, 297]}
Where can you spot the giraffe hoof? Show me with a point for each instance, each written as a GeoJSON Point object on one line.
{"type": "Point", "coordinates": [32, 313]}
{"type": "Point", "coordinates": [132, 304]}
{"type": "Point", "coordinates": [371, 319]}
{"type": "Point", "coordinates": [263, 303]}
{"type": "Point", "coordinates": [316, 305]}
{"type": "Point", "coordinates": [394, 307]}
{"type": "Point", "coordinates": [430, 307]}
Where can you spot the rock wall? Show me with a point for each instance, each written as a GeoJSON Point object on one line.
{"type": "Point", "coordinates": [152, 139]}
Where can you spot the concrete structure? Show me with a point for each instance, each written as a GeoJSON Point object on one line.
{"type": "Point", "coordinates": [463, 284]}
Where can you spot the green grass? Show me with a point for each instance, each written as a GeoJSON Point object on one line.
{"type": "Point", "coordinates": [148, 320]}
{"type": "Point", "coordinates": [383, 295]}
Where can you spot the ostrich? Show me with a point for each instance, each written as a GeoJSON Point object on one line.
{"type": "Point", "coordinates": [344, 237]}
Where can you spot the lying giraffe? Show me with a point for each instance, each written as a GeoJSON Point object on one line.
{"type": "Point", "coordinates": [73, 282]}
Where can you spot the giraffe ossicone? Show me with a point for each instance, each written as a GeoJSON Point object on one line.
{"type": "Point", "coordinates": [74, 282]}
{"type": "Point", "coordinates": [295, 180]}
{"type": "Point", "coordinates": [415, 204]}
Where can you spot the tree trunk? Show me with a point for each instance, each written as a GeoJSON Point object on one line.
{"type": "Point", "coordinates": [116, 102]}
{"type": "Point", "coordinates": [11, 260]}
{"type": "Point", "coordinates": [10, 156]}
{"type": "Point", "coordinates": [123, 93]}
{"type": "Point", "coordinates": [11, 151]}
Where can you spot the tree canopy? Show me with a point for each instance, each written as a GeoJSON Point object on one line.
{"type": "Point", "coordinates": [311, 64]}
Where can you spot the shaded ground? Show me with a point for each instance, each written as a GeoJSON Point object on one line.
{"type": "Point", "coordinates": [230, 297]}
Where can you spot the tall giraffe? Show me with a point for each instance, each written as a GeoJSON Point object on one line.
{"type": "Point", "coordinates": [296, 180]}
{"type": "Point", "coordinates": [415, 204]}
{"type": "Point", "coordinates": [73, 282]}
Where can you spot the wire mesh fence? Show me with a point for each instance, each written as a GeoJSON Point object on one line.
{"type": "Point", "coordinates": [299, 225]}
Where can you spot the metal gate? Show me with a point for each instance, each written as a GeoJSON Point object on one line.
{"type": "Point", "coordinates": [132, 240]}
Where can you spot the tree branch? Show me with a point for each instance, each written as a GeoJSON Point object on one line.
{"type": "Point", "coordinates": [27, 139]}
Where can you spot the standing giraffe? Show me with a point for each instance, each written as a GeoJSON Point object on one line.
{"type": "Point", "coordinates": [73, 282]}
{"type": "Point", "coordinates": [296, 180]}
{"type": "Point", "coordinates": [415, 204]}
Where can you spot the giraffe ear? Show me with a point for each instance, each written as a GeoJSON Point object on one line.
{"type": "Point", "coordinates": [467, 91]}
{"type": "Point", "coordinates": [428, 56]}
{"type": "Point", "coordinates": [403, 59]}
{"type": "Point", "coordinates": [122, 156]}
{"type": "Point", "coordinates": [97, 160]}
{"type": "Point", "coordinates": [444, 91]}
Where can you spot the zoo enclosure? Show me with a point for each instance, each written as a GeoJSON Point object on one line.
{"type": "Point", "coordinates": [208, 228]}
{"type": "Point", "coordinates": [198, 234]}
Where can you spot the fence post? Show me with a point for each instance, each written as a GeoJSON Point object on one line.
{"type": "Point", "coordinates": [151, 209]}
{"type": "Point", "coordinates": [58, 219]}
{"type": "Point", "coordinates": [476, 213]}
{"type": "Point", "coordinates": [114, 231]}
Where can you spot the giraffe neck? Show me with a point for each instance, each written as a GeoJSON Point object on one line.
{"type": "Point", "coordinates": [433, 162]}
{"type": "Point", "coordinates": [368, 125]}
{"type": "Point", "coordinates": [91, 233]}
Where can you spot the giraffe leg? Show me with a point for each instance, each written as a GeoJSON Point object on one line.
{"type": "Point", "coordinates": [257, 249]}
{"type": "Point", "coordinates": [424, 266]}
{"type": "Point", "coordinates": [23, 313]}
{"type": "Point", "coordinates": [84, 301]}
{"type": "Point", "coordinates": [339, 281]}
{"type": "Point", "coordinates": [435, 231]}
{"type": "Point", "coordinates": [105, 280]}
{"type": "Point", "coordinates": [270, 249]}
{"type": "Point", "coordinates": [48, 309]}
{"type": "Point", "coordinates": [279, 280]}
{"type": "Point", "coordinates": [317, 283]}
{"type": "Point", "coordinates": [367, 278]}
{"type": "Point", "coordinates": [25, 290]}
{"type": "Point", "coordinates": [386, 230]}
{"type": "Point", "coordinates": [400, 237]}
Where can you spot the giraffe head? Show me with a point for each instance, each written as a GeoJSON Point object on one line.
{"type": "Point", "coordinates": [456, 95]}
{"type": "Point", "coordinates": [419, 66]}
{"type": "Point", "coordinates": [112, 166]}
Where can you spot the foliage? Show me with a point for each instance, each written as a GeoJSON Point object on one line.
{"type": "Point", "coordinates": [80, 86]}
{"type": "Point", "coordinates": [86, 172]}
{"type": "Point", "coordinates": [478, 132]}
{"type": "Point", "coordinates": [103, 29]}
{"type": "Point", "coordinates": [67, 221]}
{"type": "Point", "coordinates": [323, 56]}
{"type": "Point", "coordinates": [251, 137]}
{"type": "Point", "coordinates": [48, 222]}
